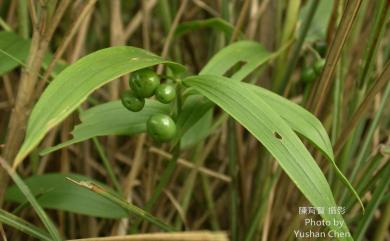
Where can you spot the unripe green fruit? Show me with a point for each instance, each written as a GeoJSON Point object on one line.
{"type": "Point", "coordinates": [161, 127]}
{"type": "Point", "coordinates": [318, 66]}
{"type": "Point", "coordinates": [144, 82]}
{"type": "Point", "coordinates": [321, 47]}
{"type": "Point", "coordinates": [165, 93]}
{"type": "Point", "coordinates": [131, 101]}
{"type": "Point", "coordinates": [308, 74]}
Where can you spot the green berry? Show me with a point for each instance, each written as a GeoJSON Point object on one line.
{"type": "Point", "coordinates": [318, 66]}
{"type": "Point", "coordinates": [144, 82]}
{"type": "Point", "coordinates": [165, 93]}
{"type": "Point", "coordinates": [308, 74]}
{"type": "Point", "coordinates": [131, 101]}
{"type": "Point", "coordinates": [321, 47]}
{"type": "Point", "coordinates": [161, 127]}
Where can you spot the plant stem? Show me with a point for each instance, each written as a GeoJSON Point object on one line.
{"type": "Point", "coordinates": [30, 197]}
{"type": "Point", "coordinates": [23, 18]}
{"type": "Point", "coordinates": [367, 140]}
{"type": "Point", "coordinates": [380, 190]}
{"type": "Point", "coordinates": [107, 165]}
{"type": "Point", "coordinates": [232, 156]}
{"type": "Point", "coordinates": [382, 228]}
{"type": "Point", "coordinates": [318, 96]}
{"type": "Point", "coordinates": [298, 46]}
{"type": "Point", "coordinates": [20, 224]}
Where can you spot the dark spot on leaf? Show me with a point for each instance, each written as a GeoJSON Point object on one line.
{"type": "Point", "coordinates": [236, 67]}
{"type": "Point", "coordinates": [277, 135]}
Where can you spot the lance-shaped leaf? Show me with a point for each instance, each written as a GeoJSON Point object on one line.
{"type": "Point", "coordinates": [73, 85]}
{"type": "Point", "coordinates": [53, 191]}
{"type": "Point", "coordinates": [13, 50]}
{"type": "Point", "coordinates": [259, 118]}
{"type": "Point", "coordinates": [111, 119]}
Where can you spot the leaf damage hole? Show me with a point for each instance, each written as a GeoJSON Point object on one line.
{"type": "Point", "coordinates": [277, 135]}
{"type": "Point", "coordinates": [236, 67]}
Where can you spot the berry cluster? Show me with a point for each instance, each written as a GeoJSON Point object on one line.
{"type": "Point", "coordinates": [145, 83]}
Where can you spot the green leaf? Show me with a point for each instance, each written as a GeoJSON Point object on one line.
{"type": "Point", "coordinates": [377, 196]}
{"type": "Point", "coordinates": [199, 131]}
{"type": "Point", "coordinates": [13, 50]}
{"type": "Point", "coordinates": [111, 119]}
{"type": "Point", "coordinates": [259, 118]}
{"type": "Point", "coordinates": [193, 117]}
{"type": "Point", "coordinates": [132, 209]}
{"type": "Point", "coordinates": [22, 225]}
{"type": "Point", "coordinates": [306, 124]}
{"type": "Point", "coordinates": [73, 85]}
{"type": "Point", "coordinates": [298, 118]}
{"type": "Point", "coordinates": [26, 193]}
{"type": "Point", "coordinates": [320, 21]}
{"type": "Point", "coordinates": [55, 192]}
{"type": "Point", "coordinates": [214, 23]}
{"type": "Point", "coordinates": [251, 55]}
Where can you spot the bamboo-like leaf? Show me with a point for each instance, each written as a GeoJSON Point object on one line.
{"type": "Point", "coordinates": [55, 192]}
{"type": "Point", "coordinates": [306, 124]}
{"type": "Point", "coordinates": [31, 199]}
{"type": "Point", "coordinates": [22, 225]}
{"type": "Point", "coordinates": [251, 55]}
{"type": "Point", "coordinates": [298, 118]}
{"type": "Point", "coordinates": [13, 48]}
{"type": "Point", "coordinates": [259, 118]}
{"type": "Point", "coordinates": [72, 86]}
{"type": "Point", "coordinates": [111, 119]}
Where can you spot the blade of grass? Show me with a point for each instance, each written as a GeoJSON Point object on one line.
{"type": "Point", "coordinates": [382, 228]}
{"type": "Point", "coordinates": [23, 226]}
{"type": "Point", "coordinates": [128, 206]}
{"type": "Point", "coordinates": [379, 85]}
{"type": "Point", "coordinates": [373, 204]}
{"type": "Point", "coordinates": [4, 25]}
{"type": "Point", "coordinates": [107, 164]}
{"type": "Point", "coordinates": [260, 210]}
{"type": "Point", "coordinates": [368, 138]}
{"type": "Point", "coordinates": [30, 197]}
{"type": "Point", "coordinates": [373, 42]}
{"type": "Point", "coordinates": [210, 202]}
